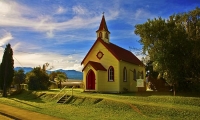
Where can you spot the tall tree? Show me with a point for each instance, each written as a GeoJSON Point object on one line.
{"type": "Point", "coordinates": [7, 69]}
{"type": "Point", "coordinates": [173, 46]}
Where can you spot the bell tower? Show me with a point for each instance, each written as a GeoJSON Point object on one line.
{"type": "Point", "coordinates": [103, 32]}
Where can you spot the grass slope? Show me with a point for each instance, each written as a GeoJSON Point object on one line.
{"type": "Point", "coordinates": [97, 106]}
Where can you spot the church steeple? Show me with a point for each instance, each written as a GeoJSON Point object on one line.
{"type": "Point", "coordinates": [103, 32]}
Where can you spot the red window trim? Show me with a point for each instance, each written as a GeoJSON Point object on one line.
{"type": "Point", "coordinates": [99, 53]}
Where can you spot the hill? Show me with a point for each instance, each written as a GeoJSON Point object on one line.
{"type": "Point", "coordinates": [72, 74]}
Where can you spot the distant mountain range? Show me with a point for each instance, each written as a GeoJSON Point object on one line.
{"type": "Point", "coordinates": [71, 74]}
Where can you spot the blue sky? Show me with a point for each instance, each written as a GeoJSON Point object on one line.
{"type": "Point", "coordinates": [61, 32]}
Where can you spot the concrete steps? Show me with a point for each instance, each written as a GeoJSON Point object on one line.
{"type": "Point", "coordinates": [64, 99]}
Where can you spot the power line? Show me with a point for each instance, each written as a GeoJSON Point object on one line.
{"type": "Point", "coordinates": [18, 61]}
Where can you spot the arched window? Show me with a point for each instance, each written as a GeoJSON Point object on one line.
{"type": "Point", "coordinates": [110, 73]}
{"type": "Point", "coordinates": [124, 74]}
{"type": "Point", "coordinates": [134, 75]}
{"type": "Point", "coordinates": [100, 35]}
{"type": "Point", "coordinates": [142, 75]}
{"type": "Point", "coordinates": [107, 35]}
{"type": "Point", "coordinates": [138, 75]}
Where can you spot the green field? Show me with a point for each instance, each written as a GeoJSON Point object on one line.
{"type": "Point", "coordinates": [96, 106]}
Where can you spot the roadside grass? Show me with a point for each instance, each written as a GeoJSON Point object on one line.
{"type": "Point", "coordinates": [97, 106]}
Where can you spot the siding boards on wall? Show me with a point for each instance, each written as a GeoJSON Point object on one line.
{"type": "Point", "coordinates": [131, 83]}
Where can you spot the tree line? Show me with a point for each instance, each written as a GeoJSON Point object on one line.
{"type": "Point", "coordinates": [37, 79]}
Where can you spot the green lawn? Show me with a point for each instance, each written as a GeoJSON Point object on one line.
{"type": "Point", "coordinates": [96, 106]}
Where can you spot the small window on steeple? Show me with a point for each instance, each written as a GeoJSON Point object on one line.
{"type": "Point", "coordinates": [107, 35]}
{"type": "Point", "coordinates": [100, 35]}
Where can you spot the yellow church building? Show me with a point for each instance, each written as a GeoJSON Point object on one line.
{"type": "Point", "coordinates": [110, 68]}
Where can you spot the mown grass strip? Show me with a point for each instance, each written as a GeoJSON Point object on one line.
{"type": "Point", "coordinates": [109, 106]}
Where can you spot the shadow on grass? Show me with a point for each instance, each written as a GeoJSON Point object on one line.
{"type": "Point", "coordinates": [54, 90]}
{"type": "Point", "coordinates": [187, 94]}
{"type": "Point", "coordinates": [157, 93]}
{"type": "Point", "coordinates": [31, 96]}
{"type": "Point", "coordinates": [143, 94]}
{"type": "Point", "coordinates": [98, 100]}
{"type": "Point", "coordinates": [74, 100]}
{"type": "Point", "coordinates": [83, 99]}
{"type": "Point", "coordinates": [21, 102]}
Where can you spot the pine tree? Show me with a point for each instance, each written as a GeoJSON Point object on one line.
{"type": "Point", "coordinates": [6, 69]}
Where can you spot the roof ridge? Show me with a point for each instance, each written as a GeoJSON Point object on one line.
{"type": "Point", "coordinates": [120, 47]}
{"type": "Point", "coordinates": [133, 58]}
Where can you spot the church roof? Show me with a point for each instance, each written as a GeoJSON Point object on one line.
{"type": "Point", "coordinates": [103, 25]}
{"type": "Point", "coordinates": [122, 54]}
{"type": "Point", "coordinates": [118, 52]}
{"type": "Point", "coordinates": [95, 65]}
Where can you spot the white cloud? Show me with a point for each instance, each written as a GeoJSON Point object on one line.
{"type": "Point", "coordinates": [17, 15]}
{"type": "Point", "coordinates": [16, 46]}
{"type": "Point", "coordinates": [71, 62]}
{"type": "Point", "coordinates": [14, 15]}
{"type": "Point", "coordinates": [142, 14]}
{"type": "Point", "coordinates": [8, 8]}
{"type": "Point", "coordinates": [138, 13]}
{"type": "Point", "coordinates": [77, 67]}
{"type": "Point", "coordinates": [6, 38]}
{"type": "Point", "coordinates": [50, 34]}
{"type": "Point", "coordinates": [79, 10]}
{"type": "Point", "coordinates": [4, 9]}
{"type": "Point", "coordinates": [60, 10]}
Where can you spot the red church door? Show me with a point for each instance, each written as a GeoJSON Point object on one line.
{"type": "Point", "coordinates": [90, 85]}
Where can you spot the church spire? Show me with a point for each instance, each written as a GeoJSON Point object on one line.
{"type": "Point", "coordinates": [103, 32]}
{"type": "Point", "coordinates": [103, 25]}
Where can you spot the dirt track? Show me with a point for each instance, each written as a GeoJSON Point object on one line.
{"type": "Point", "coordinates": [2, 117]}
{"type": "Point", "coordinates": [10, 113]}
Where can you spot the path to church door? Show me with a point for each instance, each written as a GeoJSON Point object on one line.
{"type": "Point", "coordinates": [90, 85]}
